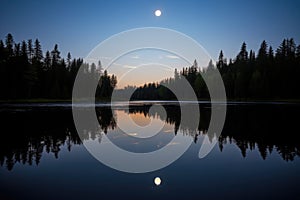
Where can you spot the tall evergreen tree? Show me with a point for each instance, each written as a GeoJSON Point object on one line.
{"type": "Point", "coordinates": [271, 53]}
{"type": "Point", "coordinates": [38, 53]}
{"type": "Point", "coordinates": [243, 54]}
{"type": "Point", "coordinates": [281, 51]}
{"type": "Point", "coordinates": [47, 61]}
{"type": "Point", "coordinates": [30, 50]}
{"type": "Point", "coordinates": [55, 55]}
{"type": "Point", "coordinates": [9, 42]}
{"type": "Point", "coordinates": [262, 52]}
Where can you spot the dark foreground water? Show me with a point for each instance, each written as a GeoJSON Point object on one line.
{"type": "Point", "coordinates": [256, 157]}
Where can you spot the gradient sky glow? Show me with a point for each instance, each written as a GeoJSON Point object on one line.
{"type": "Point", "coordinates": [156, 65]}
{"type": "Point", "coordinates": [78, 26]}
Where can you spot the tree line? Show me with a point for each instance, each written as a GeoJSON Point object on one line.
{"type": "Point", "coordinates": [27, 73]}
{"type": "Point", "coordinates": [267, 75]}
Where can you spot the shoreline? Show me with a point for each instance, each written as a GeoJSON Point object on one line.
{"type": "Point", "coordinates": [32, 101]}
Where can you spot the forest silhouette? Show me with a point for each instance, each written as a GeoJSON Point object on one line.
{"type": "Point", "coordinates": [267, 76]}
{"type": "Point", "coordinates": [27, 73]}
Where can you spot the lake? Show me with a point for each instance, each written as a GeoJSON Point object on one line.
{"type": "Point", "coordinates": [256, 156]}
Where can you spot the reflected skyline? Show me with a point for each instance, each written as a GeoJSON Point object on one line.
{"type": "Point", "coordinates": [267, 129]}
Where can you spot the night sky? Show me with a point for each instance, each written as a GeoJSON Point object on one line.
{"type": "Point", "coordinates": [78, 26]}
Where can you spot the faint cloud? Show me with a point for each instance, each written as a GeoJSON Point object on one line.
{"type": "Point", "coordinates": [172, 57]}
{"type": "Point", "coordinates": [129, 66]}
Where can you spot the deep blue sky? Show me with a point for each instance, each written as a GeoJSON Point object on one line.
{"type": "Point", "coordinates": [78, 26]}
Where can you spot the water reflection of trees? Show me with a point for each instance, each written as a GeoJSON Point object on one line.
{"type": "Point", "coordinates": [263, 127]}
{"type": "Point", "coordinates": [266, 128]}
{"type": "Point", "coordinates": [174, 117]}
{"type": "Point", "coordinates": [26, 135]}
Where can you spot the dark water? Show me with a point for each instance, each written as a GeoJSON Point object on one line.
{"type": "Point", "coordinates": [256, 157]}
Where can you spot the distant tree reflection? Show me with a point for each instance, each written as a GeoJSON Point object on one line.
{"type": "Point", "coordinates": [27, 134]}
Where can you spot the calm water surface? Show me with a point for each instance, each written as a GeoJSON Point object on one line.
{"type": "Point", "coordinates": [256, 157]}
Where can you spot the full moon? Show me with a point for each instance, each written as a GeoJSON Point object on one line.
{"type": "Point", "coordinates": [157, 181]}
{"type": "Point", "coordinates": [157, 13]}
